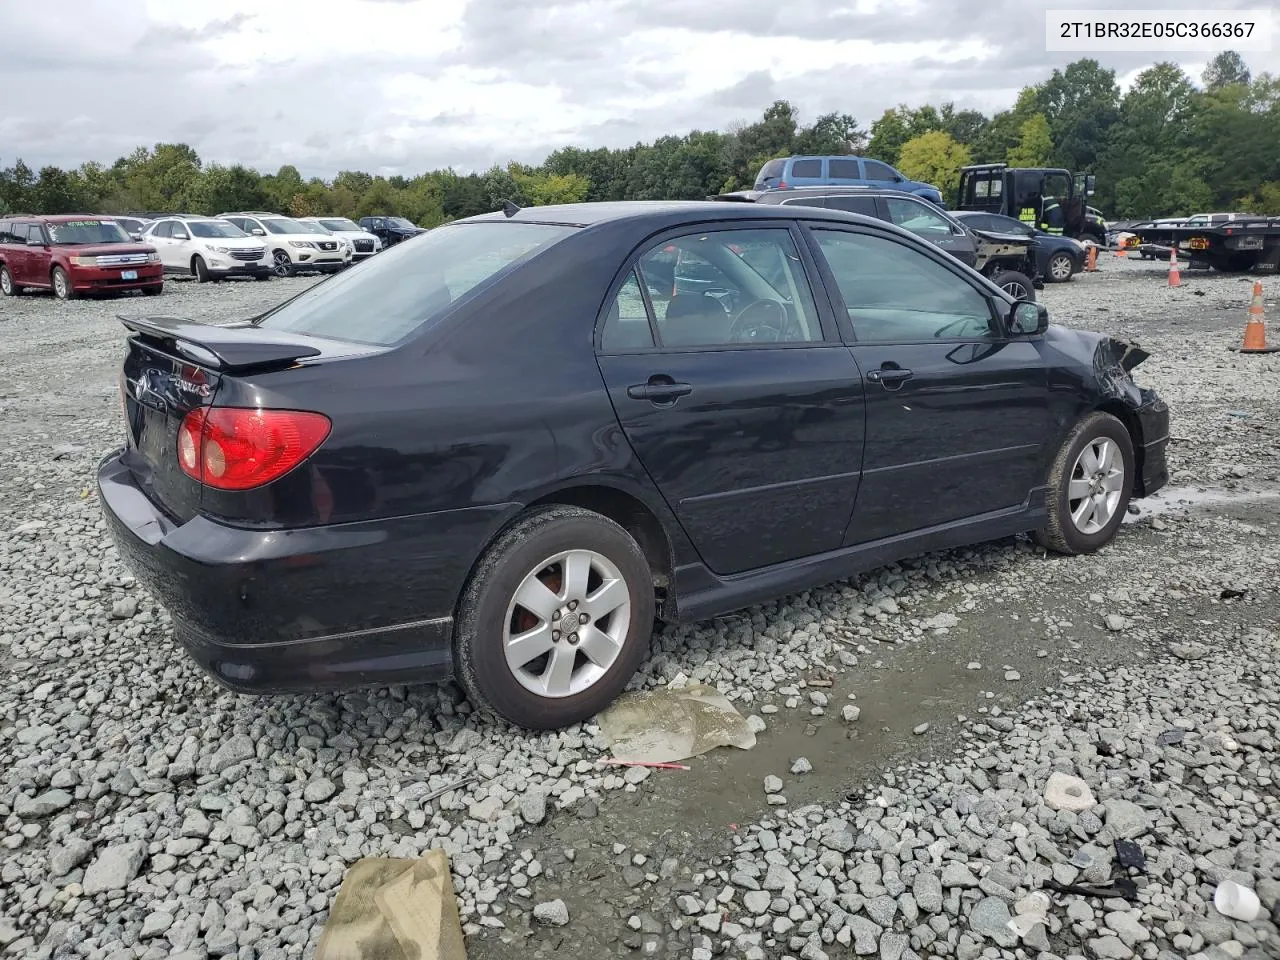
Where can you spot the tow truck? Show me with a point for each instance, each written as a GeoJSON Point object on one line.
{"type": "Point", "coordinates": [1232, 246]}
{"type": "Point", "coordinates": [1000, 188]}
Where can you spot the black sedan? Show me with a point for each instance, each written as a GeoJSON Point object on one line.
{"type": "Point", "coordinates": [1059, 258]}
{"type": "Point", "coordinates": [497, 450]}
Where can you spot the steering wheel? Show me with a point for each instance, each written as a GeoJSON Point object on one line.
{"type": "Point", "coordinates": [759, 320]}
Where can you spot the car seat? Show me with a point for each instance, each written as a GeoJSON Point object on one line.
{"type": "Point", "coordinates": [695, 319]}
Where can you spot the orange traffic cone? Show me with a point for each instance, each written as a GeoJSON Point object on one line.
{"type": "Point", "coordinates": [1175, 278]}
{"type": "Point", "coordinates": [1091, 262]}
{"type": "Point", "coordinates": [1120, 248]}
{"type": "Point", "coordinates": [1255, 327]}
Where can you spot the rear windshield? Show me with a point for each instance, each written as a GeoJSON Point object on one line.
{"type": "Point", "coordinates": [410, 285]}
{"type": "Point", "coordinates": [88, 231]}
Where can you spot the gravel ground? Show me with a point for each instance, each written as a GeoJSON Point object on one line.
{"type": "Point", "coordinates": [147, 813]}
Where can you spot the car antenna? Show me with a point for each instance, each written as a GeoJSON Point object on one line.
{"type": "Point", "coordinates": [509, 209]}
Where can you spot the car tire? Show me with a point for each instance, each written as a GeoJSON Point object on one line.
{"type": "Point", "coordinates": [7, 286]}
{"type": "Point", "coordinates": [532, 556]}
{"type": "Point", "coordinates": [283, 266]}
{"type": "Point", "coordinates": [1060, 268]}
{"type": "Point", "coordinates": [1075, 478]}
{"type": "Point", "coordinates": [1009, 280]}
{"type": "Point", "coordinates": [62, 288]}
{"type": "Point", "coordinates": [200, 269]}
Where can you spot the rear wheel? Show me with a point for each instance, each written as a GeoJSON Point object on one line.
{"type": "Point", "coordinates": [1018, 285]}
{"type": "Point", "coordinates": [62, 288]}
{"type": "Point", "coordinates": [7, 286]}
{"type": "Point", "coordinates": [1060, 267]}
{"type": "Point", "coordinates": [555, 620]}
{"type": "Point", "coordinates": [200, 269]}
{"type": "Point", "coordinates": [1090, 483]}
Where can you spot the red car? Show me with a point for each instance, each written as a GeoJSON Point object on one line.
{"type": "Point", "coordinates": [74, 254]}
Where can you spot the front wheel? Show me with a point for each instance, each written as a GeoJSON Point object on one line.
{"type": "Point", "coordinates": [1090, 483]}
{"type": "Point", "coordinates": [1018, 285]}
{"type": "Point", "coordinates": [1060, 268]}
{"type": "Point", "coordinates": [281, 264]}
{"type": "Point", "coordinates": [555, 620]}
{"type": "Point", "coordinates": [62, 288]}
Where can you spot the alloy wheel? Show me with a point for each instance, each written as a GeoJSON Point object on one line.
{"type": "Point", "coordinates": [6, 283]}
{"type": "Point", "coordinates": [566, 623]}
{"type": "Point", "coordinates": [1060, 267]}
{"type": "Point", "coordinates": [1015, 289]}
{"type": "Point", "coordinates": [1096, 484]}
{"type": "Point", "coordinates": [282, 263]}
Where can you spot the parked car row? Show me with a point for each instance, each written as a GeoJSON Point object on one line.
{"type": "Point", "coordinates": [81, 254]}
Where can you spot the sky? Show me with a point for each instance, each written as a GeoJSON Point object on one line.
{"type": "Point", "coordinates": [404, 86]}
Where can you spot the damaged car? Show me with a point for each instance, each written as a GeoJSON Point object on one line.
{"type": "Point", "coordinates": [497, 453]}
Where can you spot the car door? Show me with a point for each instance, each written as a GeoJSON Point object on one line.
{"type": "Point", "coordinates": [844, 170]}
{"type": "Point", "coordinates": [925, 222]}
{"type": "Point", "coordinates": [161, 238]}
{"type": "Point", "coordinates": [742, 405]}
{"type": "Point", "coordinates": [181, 246]}
{"type": "Point", "coordinates": [37, 260]}
{"type": "Point", "coordinates": [957, 410]}
{"type": "Point", "coordinates": [17, 254]}
{"type": "Point", "coordinates": [880, 174]}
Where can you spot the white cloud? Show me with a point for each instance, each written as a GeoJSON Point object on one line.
{"type": "Point", "coordinates": [398, 86]}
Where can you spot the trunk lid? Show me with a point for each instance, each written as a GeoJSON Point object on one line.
{"type": "Point", "coordinates": [174, 366]}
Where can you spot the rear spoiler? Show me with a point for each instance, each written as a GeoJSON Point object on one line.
{"type": "Point", "coordinates": [220, 347]}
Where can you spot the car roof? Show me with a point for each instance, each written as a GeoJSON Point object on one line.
{"type": "Point", "coordinates": [820, 190]}
{"type": "Point", "coordinates": [657, 212]}
{"type": "Point", "coordinates": [57, 217]}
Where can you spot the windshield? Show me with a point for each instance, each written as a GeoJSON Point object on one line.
{"type": "Point", "coordinates": [411, 285]}
{"type": "Point", "coordinates": [340, 223]}
{"type": "Point", "coordinates": [401, 222]}
{"type": "Point", "coordinates": [88, 231]}
{"type": "Point", "coordinates": [215, 228]}
{"type": "Point", "coordinates": [285, 225]}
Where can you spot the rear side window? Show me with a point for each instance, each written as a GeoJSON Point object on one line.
{"type": "Point", "coordinates": [409, 286]}
{"type": "Point", "coordinates": [842, 169]}
{"type": "Point", "coordinates": [863, 205]}
{"type": "Point", "coordinates": [626, 326]}
{"type": "Point", "coordinates": [6, 227]}
{"type": "Point", "coordinates": [807, 168]}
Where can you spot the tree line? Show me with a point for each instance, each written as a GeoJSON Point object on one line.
{"type": "Point", "coordinates": [1167, 146]}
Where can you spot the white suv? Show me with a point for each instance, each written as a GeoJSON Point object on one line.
{"type": "Point", "coordinates": [207, 248]}
{"type": "Point", "coordinates": [295, 247]}
{"type": "Point", "coordinates": [363, 243]}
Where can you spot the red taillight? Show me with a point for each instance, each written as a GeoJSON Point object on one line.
{"type": "Point", "coordinates": [782, 184]}
{"type": "Point", "coordinates": [238, 448]}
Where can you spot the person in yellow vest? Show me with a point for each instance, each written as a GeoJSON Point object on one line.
{"type": "Point", "coordinates": [1053, 220]}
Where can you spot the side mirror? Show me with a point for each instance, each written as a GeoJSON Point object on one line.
{"type": "Point", "coordinates": [258, 232]}
{"type": "Point", "coordinates": [1027, 318]}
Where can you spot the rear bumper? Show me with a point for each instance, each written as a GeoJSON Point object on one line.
{"type": "Point", "coordinates": [330, 607]}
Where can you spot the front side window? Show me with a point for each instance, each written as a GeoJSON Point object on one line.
{"type": "Point", "coordinates": [75, 232]}
{"type": "Point", "coordinates": [879, 171]}
{"type": "Point", "coordinates": [915, 216]}
{"type": "Point", "coordinates": [730, 288]}
{"type": "Point", "coordinates": [411, 285]}
{"type": "Point", "coordinates": [896, 294]}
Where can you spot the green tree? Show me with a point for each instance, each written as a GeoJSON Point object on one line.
{"type": "Point", "coordinates": [831, 133]}
{"type": "Point", "coordinates": [1081, 103]}
{"type": "Point", "coordinates": [936, 158]}
{"type": "Point", "coordinates": [16, 183]}
{"type": "Point", "coordinates": [1226, 69]}
{"type": "Point", "coordinates": [1034, 145]}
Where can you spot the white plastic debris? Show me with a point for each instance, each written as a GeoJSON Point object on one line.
{"type": "Point", "coordinates": [666, 725]}
{"type": "Point", "coordinates": [1065, 792]}
{"type": "Point", "coordinates": [1236, 902]}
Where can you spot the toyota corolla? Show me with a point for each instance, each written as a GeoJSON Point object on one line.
{"type": "Point", "coordinates": [498, 452]}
